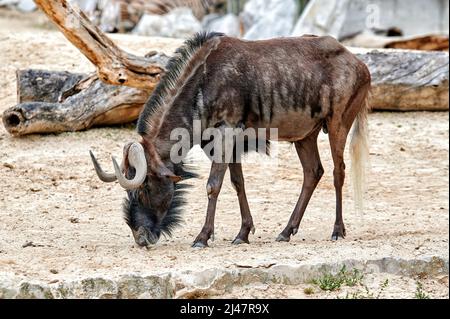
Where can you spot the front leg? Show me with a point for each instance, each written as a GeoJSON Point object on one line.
{"type": "Point", "coordinates": [213, 189]}
{"type": "Point", "coordinates": [237, 179]}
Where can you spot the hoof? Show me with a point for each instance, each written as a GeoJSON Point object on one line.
{"type": "Point", "coordinates": [199, 245]}
{"type": "Point", "coordinates": [337, 235]}
{"type": "Point", "coordinates": [339, 232]}
{"type": "Point", "coordinates": [239, 241]}
{"type": "Point", "coordinates": [253, 230]}
{"type": "Point", "coordinates": [282, 238]}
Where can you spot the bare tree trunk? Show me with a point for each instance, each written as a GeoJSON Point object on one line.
{"type": "Point", "coordinates": [433, 42]}
{"type": "Point", "coordinates": [404, 80]}
{"type": "Point", "coordinates": [44, 86]}
{"type": "Point", "coordinates": [114, 66]}
{"type": "Point", "coordinates": [88, 103]}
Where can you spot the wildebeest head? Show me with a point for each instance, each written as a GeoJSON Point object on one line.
{"type": "Point", "coordinates": [154, 197]}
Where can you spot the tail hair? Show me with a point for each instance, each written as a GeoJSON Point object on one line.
{"type": "Point", "coordinates": [359, 153]}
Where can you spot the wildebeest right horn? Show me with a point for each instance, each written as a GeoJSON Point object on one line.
{"type": "Point", "coordinates": [136, 159]}
{"type": "Point", "coordinates": [104, 177]}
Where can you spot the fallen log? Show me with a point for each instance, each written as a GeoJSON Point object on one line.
{"type": "Point", "coordinates": [431, 42]}
{"type": "Point", "coordinates": [44, 86]}
{"type": "Point", "coordinates": [424, 43]}
{"type": "Point", "coordinates": [405, 80]}
{"type": "Point", "coordinates": [93, 103]}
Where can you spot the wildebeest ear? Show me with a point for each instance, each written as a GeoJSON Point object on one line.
{"type": "Point", "coordinates": [174, 178]}
{"type": "Point", "coordinates": [163, 171]}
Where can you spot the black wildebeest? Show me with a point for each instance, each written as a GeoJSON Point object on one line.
{"type": "Point", "coordinates": [297, 85]}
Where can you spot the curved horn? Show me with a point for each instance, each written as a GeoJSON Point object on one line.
{"type": "Point", "coordinates": [104, 177]}
{"type": "Point", "coordinates": [136, 158]}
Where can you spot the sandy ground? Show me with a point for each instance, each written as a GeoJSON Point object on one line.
{"type": "Point", "coordinates": [50, 196]}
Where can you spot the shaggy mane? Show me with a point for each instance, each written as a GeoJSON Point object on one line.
{"type": "Point", "coordinates": [180, 69]}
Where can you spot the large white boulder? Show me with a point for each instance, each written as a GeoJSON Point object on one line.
{"type": "Point", "coordinates": [178, 23]}
{"type": "Point", "coordinates": [110, 16]}
{"type": "Point", "coordinates": [265, 19]}
{"type": "Point", "coordinates": [345, 18]}
{"type": "Point", "coordinates": [26, 5]}
{"type": "Point", "coordinates": [228, 24]}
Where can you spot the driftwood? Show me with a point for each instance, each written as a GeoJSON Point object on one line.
{"type": "Point", "coordinates": [90, 102]}
{"type": "Point", "coordinates": [62, 108]}
{"type": "Point", "coordinates": [405, 80]}
{"type": "Point", "coordinates": [431, 42]}
{"type": "Point", "coordinates": [44, 86]}
{"type": "Point", "coordinates": [114, 66]}
{"type": "Point", "coordinates": [424, 43]}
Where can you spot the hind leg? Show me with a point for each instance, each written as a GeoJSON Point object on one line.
{"type": "Point", "coordinates": [312, 171]}
{"type": "Point", "coordinates": [237, 179]}
{"type": "Point", "coordinates": [339, 126]}
{"type": "Point", "coordinates": [337, 142]}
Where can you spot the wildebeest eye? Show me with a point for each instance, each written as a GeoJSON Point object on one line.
{"type": "Point", "coordinates": [131, 172]}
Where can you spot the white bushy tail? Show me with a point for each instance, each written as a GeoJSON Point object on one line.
{"type": "Point", "coordinates": [359, 153]}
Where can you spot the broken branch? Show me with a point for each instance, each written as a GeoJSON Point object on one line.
{"type": "Point", "coordinates": [114, 66]}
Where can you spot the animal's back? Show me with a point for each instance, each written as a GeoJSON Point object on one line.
{"type": "Point", "coordinates": [279, 80]}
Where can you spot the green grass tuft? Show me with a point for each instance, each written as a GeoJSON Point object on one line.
{"type": "Point", "coordinates": [330, 282]}
{"type": "Point", "coordinates": [420, 293]}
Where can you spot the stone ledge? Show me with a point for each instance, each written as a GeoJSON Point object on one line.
{"type": "Point", "coordinates": [188, 284]}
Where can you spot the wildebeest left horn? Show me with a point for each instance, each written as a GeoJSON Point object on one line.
{"type": "Point", "coordinates": [136, 159]}
{"type": "Point", "coordinates": [104, 177]}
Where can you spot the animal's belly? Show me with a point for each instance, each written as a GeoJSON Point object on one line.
{"type": "Point", "coordinates": [291, 126]}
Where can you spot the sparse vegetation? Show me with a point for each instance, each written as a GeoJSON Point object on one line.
{"type": "Point", "coordinates": [330, 282]}
{"type": "Point", "coordinates": [308, 291]}
{"type": "Point", "coordinates": [383, 288]}
{"type": "Point", "coordinates": [367, 294]}
{"type": "Point", "coordinates": [420, 293]}
{"type": "Point", "coordinates": [353, 278]}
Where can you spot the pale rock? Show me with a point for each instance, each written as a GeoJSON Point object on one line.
{"type": "Point", "coordinates": [228, 24]}
{"type": "Point", "coordinates": [110, 17]}
{"type": "Point", "coordinates": [345, 18]}
{"type": "Point", "coordinates": [178, 23]}
{"type": "Point", "coordinates": [210, 281]}
{"type": "Point", "coordinates": [265, 19]}
{"type": "Point", "coordinates": [26, 6]}
{"type": "Point", "coordinates": [85, 5]}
